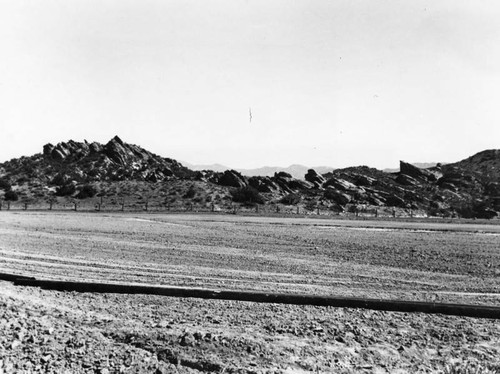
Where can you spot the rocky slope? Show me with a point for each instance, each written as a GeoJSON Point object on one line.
{"type": "Point", "coordinates": [82, 171]}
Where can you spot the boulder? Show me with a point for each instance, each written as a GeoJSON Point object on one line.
{"type": "Point", "coordinates": [407, 180]}
{"type": "Point", "coordinates": [448, 186]}
{"type": "Point", "coordinates": [263, 184]}
{"type": "Point", "coordinates": [232, 178]}
{"type": "Point", "coordinates": [394, 200]}
{"type": "Point", "coordinates": [457, 180]}
{"type": "Point", "coordinates": [375, 199]}
{"type": "Point", "coordinates": [340, 184]}
{"type": "Point", "coordinates": [363, 180]}
{"type": "Point", "coordinates": [152, 177]}
{"type": "Point", "coordinates": [66, 150]}
{"type": "Point", "coordinates": [60, 152]}
{"type": "Point", "coordinates": [47, 149]}
{"type": "Point", "coordinates": [117, 151]}
{"type": "Point", "coordinates": [298, 184]}
{"type": "Point", "coordinates": [289, 184]}
{"type": "Point", "coordinates": [167, 172]}
{"type": "Point", "coordinates": [415, 172]}
{"type": "Point", "coordinates": [412, 196]}
{"type": "Point", "coordinates": [282, 174]}
{"type": "Point", "coordinates": [95, 147]}
{"type": "Point", "coordinates": [338, 197]}
{"type": "Point", "coordinates": [313, 177]}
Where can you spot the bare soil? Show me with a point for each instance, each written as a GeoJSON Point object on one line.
{"type": "Point", "coordinates": [49, 331]}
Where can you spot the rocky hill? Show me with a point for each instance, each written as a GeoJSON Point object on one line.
{"type": "Point", "coordinates": [126, 174]}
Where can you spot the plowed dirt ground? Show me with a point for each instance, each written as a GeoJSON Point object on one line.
{"type": "Point", "coordinates": [54, 331]}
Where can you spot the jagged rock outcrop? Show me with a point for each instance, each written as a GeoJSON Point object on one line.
{"type": "Point", "coordinates": [468, 188]}
{"type": "Point", "coordinates": [316, 179]}
{"type": "Point", "coordinates": [336, 196]}
{"type": "Point", "coordinates": [363, 180]}
{"type": "Point", "coordinates": [95, 148]}
{"type": "Point", "coordinates": [455, 180]}
{"type": "Point", "coordinates": [232, 178]}
{"type": "Point", "coordinates": [116, 160]}
{"type": "Point", "coordinates": [47, 149]}
{"type": "Point", "coordinates": [123, 154]}
{"type": "Point", "coordinates": [415, 172]}
{"type": "Point", "coordinates": [341, 184]}
{"type": "Point", "coordinates": [263, 184]}
{"type": "Point", "coordinates": [407, 180]}
{"type": "Point", "coordinates": [289, 184]}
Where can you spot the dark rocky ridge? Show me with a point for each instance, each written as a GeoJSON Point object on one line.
{"type": "Point", "coordinates": [468, 188]}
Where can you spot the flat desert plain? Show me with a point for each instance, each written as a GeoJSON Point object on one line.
{"type": "Point", "coordinates": [52, 331]}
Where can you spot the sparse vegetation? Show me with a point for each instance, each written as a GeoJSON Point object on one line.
{"type": "Point", "coordinates": [291, 199]}
{"type": "Point", "coordinates": [247, 195]}
{"type": "Point", "coordinates": [469, 188]}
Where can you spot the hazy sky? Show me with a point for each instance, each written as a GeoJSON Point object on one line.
{"type": "Point", "coordinates": [329, 82]}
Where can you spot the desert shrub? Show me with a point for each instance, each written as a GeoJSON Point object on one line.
{"type": "Point", "coordinates": [86, 191]}
{"type": "Point", "coordinates": [469, 209]}
{"type": "Point", "coordinates": [190, 193]}
{"type": "Point", "coordinates": [247, 195]}
{"type": "Point", "coordinates": [59, 179]}
{"type": "Point", "coordinates": [330, 194]}
{"type": "Point", "coordinates": [291, 199]}
{"type": "Point", "coordinates": [11, 196]}
{"type": "Point", "coordinates": [4, 184]}
{"type": "Point", "coordinates": [310, 204]}
{"type": "Point", "coordinates": [352, 208]}
{"type": "Point", "coordinates": [65, 190]}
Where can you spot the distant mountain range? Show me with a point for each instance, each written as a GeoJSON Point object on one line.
{"type": "Point", "coordinates": [71, 172]}
{"type": "Point", "coordinates": [295, 170]}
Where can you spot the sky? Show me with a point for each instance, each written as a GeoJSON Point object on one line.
{"type": "Point", "coordinates": [328, 82]}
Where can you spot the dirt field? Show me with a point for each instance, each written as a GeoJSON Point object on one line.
{"type": "Point", "coordinates": [457, 263]}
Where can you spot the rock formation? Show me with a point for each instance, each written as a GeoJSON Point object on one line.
{"type": "Point", "coordinates": [468, 188]}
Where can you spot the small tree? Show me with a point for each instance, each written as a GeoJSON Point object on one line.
{"type": "Point", "coordinates": [51, 201]}
{"type": "Point", "coordinates": [190, 193]}
{"type": "Point", "coordinates": [11, 196]}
